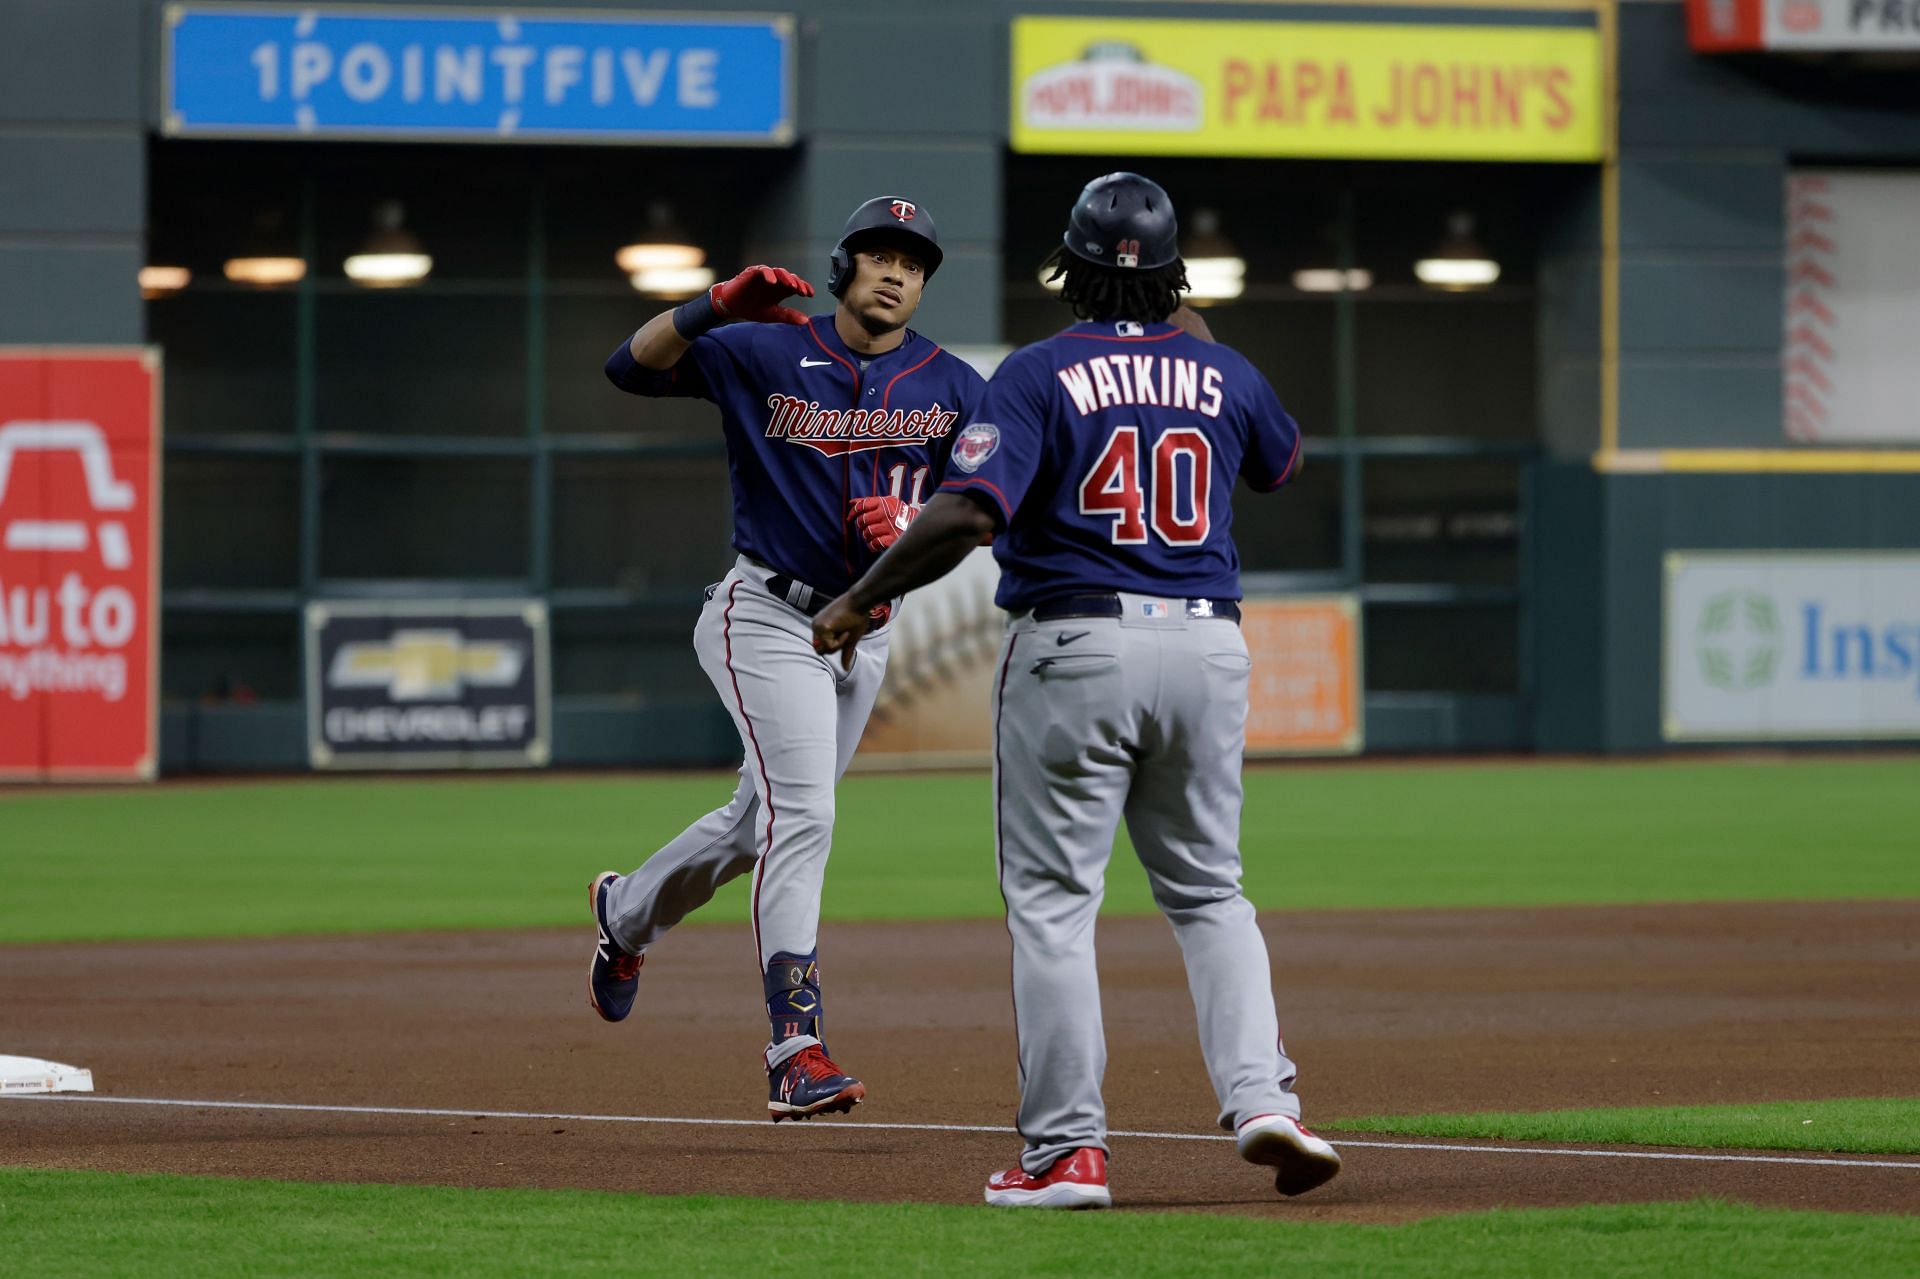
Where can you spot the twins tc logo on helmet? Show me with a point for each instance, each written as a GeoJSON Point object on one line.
{"type": "Point", "coordinates": [974, 445]}
{"type": "Point", "coordinates": [1126, 253]}
{"type": "Point", "coordinates": [904, 210]}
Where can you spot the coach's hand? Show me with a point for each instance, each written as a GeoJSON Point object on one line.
{"type": "Point", "coordinates": [881, 520]}
{"type": "Point", "coordinates": [755, 294]}
{"type": "Point", "coordinates": [1185, 317]}
{"type": "Point", "coordinates": [837, 628]}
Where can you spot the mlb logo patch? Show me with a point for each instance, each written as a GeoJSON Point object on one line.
{"type": "Point", "coordinates": [1154, 608]}
{"type": "Point", "coordinates": [1130, 329]}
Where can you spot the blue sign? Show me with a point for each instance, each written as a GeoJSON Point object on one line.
{"type": "Point", "coordinates": [476, 75]}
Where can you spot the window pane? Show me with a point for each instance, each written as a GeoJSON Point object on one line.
{"type": "Point", "coordinates": [1443, 520]}
{"type": "Point", "coordinates": [424, 517]}
{"type": "Point", "coordinates": [422, 364]}
{"type": "Point", "coordinates": [231, 522]}
{"type": "Point", "coordinates": [230, 657]}
{"type": "Point", "coordinates": [228, 360]}
{"type": "Point", "coordinates": [1447, 649]}
{"type": "Point", "coordinates": [1294, 530]}
{"type": "Point", "coordinates": [647, 653]}
{"type": "Point", "coordinates": [1447, 365]}
{"type": "Point", "coordinates": [651, 526]}
{"type": "Point", "coordinates": [581, 333]}
{"type": "Point", "coordinates": [468, 208]}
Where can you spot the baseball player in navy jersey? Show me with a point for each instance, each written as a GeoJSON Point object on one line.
{"type": "Point", "coordinates": [1104, 458]}
{"type": "Point", "coordinates": [837, 430]}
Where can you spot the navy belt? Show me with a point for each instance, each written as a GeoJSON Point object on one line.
{"type": "Point", "coordinates": [793, 591]}
{"type": "Point", "coordinates": [1107, 604]}
{"type": "Point", "coordinates": [811, 599]}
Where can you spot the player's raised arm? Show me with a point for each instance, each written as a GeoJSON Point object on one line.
{"type": "Point", "coordinates": [756, 294]}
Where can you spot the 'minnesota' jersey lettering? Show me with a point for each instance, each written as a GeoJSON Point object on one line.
{"type": "Point", "coordinates": [1108, 454]}
{"type": "Point", "coordinates": [809, 429]}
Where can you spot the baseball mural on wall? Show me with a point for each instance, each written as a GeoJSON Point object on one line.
{"type": "Point", "coordinates": [1852, 304]}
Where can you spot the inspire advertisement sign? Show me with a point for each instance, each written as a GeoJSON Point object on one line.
{"type": "Point", "coordinates": [476, 74]}
{"type": "Point", "coordinates": [1791, 645]}
{"type": "Point", "coordinates": [1360, 90]}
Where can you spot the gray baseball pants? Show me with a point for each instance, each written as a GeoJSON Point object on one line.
{"type": "Point", "coordinates": [800, 717]}
{"type": "Point", "coordinates": [1141, 717]}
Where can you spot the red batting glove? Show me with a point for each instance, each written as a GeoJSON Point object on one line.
{"type": "Point", "coordinates": [881, 520]}
{"type": "Point", "coordinates": [755, 294]}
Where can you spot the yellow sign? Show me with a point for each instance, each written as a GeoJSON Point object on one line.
{"type": "Point", "coordinates": [1304, 696]}
{"type": "Point", "coordinates": [1346, 90]}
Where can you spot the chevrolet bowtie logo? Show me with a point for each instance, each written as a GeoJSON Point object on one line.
{"type": "Point", "coordinates": [417, 665]}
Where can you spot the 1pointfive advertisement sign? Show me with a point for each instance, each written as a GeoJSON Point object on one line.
{"type": "Point", "coordinates": [79, 534]}
{"type": "Point", "coordinates": [488, 75]}
{"type": "Point", "coordinates": [1791, 645]}
{"type": "Point", "coordinates": [427, 684]}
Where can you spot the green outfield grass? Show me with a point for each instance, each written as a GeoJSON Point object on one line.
{"type": "Point", "coordinates": [1873, 1125]}
{"type": "Point", "coordinates": [343, 855]}
{"type": "Point", "coordinates": [102, 1225]}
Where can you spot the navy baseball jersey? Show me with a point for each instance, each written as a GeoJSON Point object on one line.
{"type": "Point", "coordinates": [1109, 452]}
{"type": "Point", "coordinates": [809, 429]}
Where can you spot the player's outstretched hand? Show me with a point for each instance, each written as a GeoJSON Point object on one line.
{"type": "Point", "coordinates": [1185, 317]}
{"type": "Point", "coordinates": [880, 520]}
{"type": "Point", "coordinates": [837, 628]}
{"type": "Point", "coordinates": [756, 292]}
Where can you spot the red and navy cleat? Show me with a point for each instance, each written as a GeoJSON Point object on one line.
{"type": "Point", "coordinates": [1300, 1160]}
{"type": "Point", "coordinates": [614, 978]}
{"type": "Point", "coordinates": [808, 1084]}
{"type": "Point", "coordinates": [1078, 1180]}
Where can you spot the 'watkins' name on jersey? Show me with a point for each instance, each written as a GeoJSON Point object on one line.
{"type": "Point", "coordinates": [1163, 380]}
{"type": "Point", "coordinates": [838, 431]}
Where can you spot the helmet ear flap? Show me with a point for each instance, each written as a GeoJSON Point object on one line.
{"type": "Point", "coordinates": [840, 273]}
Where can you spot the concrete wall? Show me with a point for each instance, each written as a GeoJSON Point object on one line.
{"type": "Point", "coordinates": [1706, 143]}
{"type": "Point", "coordinates": [73, 201]}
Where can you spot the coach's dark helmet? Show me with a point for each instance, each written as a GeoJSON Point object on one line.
{"type": "Point", "coordinates": [890, 218]}
{"type": "Point", "coordinates": [1125, 221]}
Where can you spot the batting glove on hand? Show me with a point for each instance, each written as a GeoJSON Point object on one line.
{"type": "Point", "coordinates": [755, 294]}
{"type": "Point", "coordinates": [881, 520]}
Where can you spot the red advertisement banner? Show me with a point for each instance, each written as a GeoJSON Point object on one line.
{"type": "Point", "coordinates": [79, 562]}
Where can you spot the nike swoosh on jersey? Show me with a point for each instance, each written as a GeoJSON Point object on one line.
{"type": "Point", "coordinates": [805, 363]}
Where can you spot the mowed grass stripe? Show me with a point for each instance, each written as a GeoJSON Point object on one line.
{"type": "Point", "coordinates": [109, 1225]}
{"type": "Point", "coordinates": [348, 855]}
{"type": "Point", "coordinates": [1861, 1125]}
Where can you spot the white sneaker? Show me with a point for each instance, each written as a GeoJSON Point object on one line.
{"type": "Point", "coordinates": [1300, 1160]}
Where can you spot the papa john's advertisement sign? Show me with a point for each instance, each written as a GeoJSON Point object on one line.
{"type": "Point", "coordinates": [1818, 646]}
{"type": "Point", "coordinates": [79, 562]}
{"type": "Point", "coordinates": [1360, 90]}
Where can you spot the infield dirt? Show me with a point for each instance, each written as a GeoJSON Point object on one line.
{"type": "Point", "coordinates": [1386, 1012]}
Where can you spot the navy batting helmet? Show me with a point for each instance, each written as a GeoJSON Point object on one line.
{"type": "Point", "coordinates": [885, 217]}
{"type": "Point", "coordinates": [1124, 220]}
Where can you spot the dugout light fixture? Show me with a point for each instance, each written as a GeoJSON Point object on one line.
{"type": "Point", "coordinates": [1331, 279]}
{"type": "Point", "coordinates": [163, 281]}
{"type": "Point", "coordinates": [1215, 270]}
{"type": "Point", "coordinates": [392, 257]}
{"type": "Point", "coordinates": [265, 273]}
{"type": "Point", "coordinates": [665, 247]}
{"type": "Point", "coordinates": [671, 282]}
{"type": "Point", "coordinates": [263, 260]}
{"type": "Point", "coordinates": [1459, 263]}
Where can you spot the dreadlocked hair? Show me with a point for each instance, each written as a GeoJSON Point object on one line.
{"type": "Point", "coordinates": [1098, 292]}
